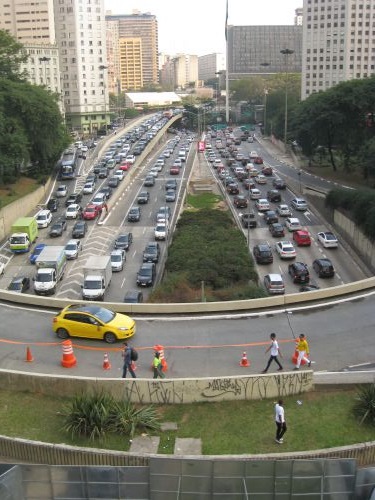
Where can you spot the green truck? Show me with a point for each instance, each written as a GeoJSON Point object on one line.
{"type": "Point", "coordinates": [23, 234]}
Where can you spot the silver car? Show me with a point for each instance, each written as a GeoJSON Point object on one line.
{"type": "Point", "coordinates": [117, 260]}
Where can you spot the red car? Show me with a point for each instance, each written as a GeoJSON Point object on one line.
{"type": "Point", "coordinates": [125, 166]}
{"type": "Point", "coordinates": [174, 170]}
{"type": "Point", "coordinates": [91, 212]}
{"type": "Point", "coordinates": [258, 160]}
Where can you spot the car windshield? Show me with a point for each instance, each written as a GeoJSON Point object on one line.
{"type": "Point", "coordinates": [72, 246]}
{"type": "Point", "coordinates": [17, 240]}
{"type": "Point", "coordinates": [44, 277]}
{"type": "Point", "coordinates": [145, 272]}
{"type": "Point", "coordinates": [104, 315]}
{"type": "Point", "coordinates": [116, 258]}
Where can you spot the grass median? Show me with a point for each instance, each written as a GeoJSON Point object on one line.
{"type": "Point", "coordinates": [315, 420]}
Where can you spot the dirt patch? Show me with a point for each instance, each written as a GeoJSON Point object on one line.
{"type": "Point", "coordinates": [23, 186]}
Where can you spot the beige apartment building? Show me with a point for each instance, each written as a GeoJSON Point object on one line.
{"type": "Point", "coordinates": [134, 26]}
{"type": "Point", "coordinates": [338, 43]}
{"type": "Point", "coordinates": [130, 58]}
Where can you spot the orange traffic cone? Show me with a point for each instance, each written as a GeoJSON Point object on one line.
{"type": "Point", "coordinates": [244, 361]}
{"type": "Point", "coordinates": [160, 350]}
{"type": "Point", "coordinates": [106, 363]}
{"type": "Point", "coordinates": [68, 359]}
{"type": "Point", "coordinates": [29, 356]}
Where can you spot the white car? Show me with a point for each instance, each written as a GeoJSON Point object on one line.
{"type": "Point", "coordinates": [261, 179]}
{"type": "Point", "coordinates": [177, 163]}
{"type": "Point", "coordinates": [118, 258]}
{"type": "Point", "coordinates": [99, 199]}
{"type": "Point", "coordinates": [130, 159]}
{"type": "Point", "coordinates": [283, 210]}
{"type": "Point", "coordinates": [160, 231]}
{"type": "Point", "coordinates": [253, 155]}
{"type": "Point", "coordinates": [154, 171]}
{"type": "Point", "coordinates": [88, 188]}
{"type": "Point", "coordinates": [61, 191]}
{"type": "Point", "coordinates": [262, 205]}
{"type": "Point", "coordinates": [43, 218]}
{"type": "Point", "coordinates": [299, 204]}
{"type": "Point", "coordinates": [73, 211]}
{"type": "Point", "coordinates": [328, 239]}
{"type": "Point", "coordinates": [293, 224]}
{"type": "Point", "coordinates": [255, 194]}
{"type": "Point", "coordinates": [72, 249]}
{"type": "Point", "coordinates": [285, 249]}
{"type": "Point", "coordinates": [119, 174]}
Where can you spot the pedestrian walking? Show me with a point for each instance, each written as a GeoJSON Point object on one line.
{"type": "Point", "coordinates": [126, 354]}
{"type": "Point", "coordinates": [280, 421]}
{"type": "Point", "coordinates": [158, 372]}
{"type": "Point", "coordinates": [275, 351]}
{"type": "Point", "coordinates": [303, 351]}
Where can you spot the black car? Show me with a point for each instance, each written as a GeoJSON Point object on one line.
{"type": "Point", "coordinates": [279, 184]}
{"type": "Point", "coordinates": [103, 173]}
{"type": "Point", "coordinates": [146, 274]}
{"type": "Point", "coordinates": [134, 214]}
{"type": "Point", "coordinates": [143, 197]}
{"type": "Point", "coordinates": [276, 229]}
{"type": "Point", "coordinates": [273, 195]}
{"type": "Point", "coordinates": [233, 188]}
{"type": "Point", "coordinates": [19, 284]}
{"type": "Point", "coordinates": [133, 297]}
{"type": "Point", "coordinates": [113, 182]}
{"type": "Point", "coordinates": [324, 268]}
{"type": "Point", "coordinates": [123, 241]}
{"type": "Point", "coordinates": [270, 217]}
{"type": "Point", "coordinates": [53, 204]}
{"type": "Point", "coordinates": [263, 253]}
{"type": "Point", "coordinates": [79, 229]}
{"type": "Point", "coordinates": [299, 272]}
{"type": "Point", "coordinates": [248, 219]}
{"type": "Point", "coordinates": [107, 191]}
{"type": "Point", "coordinates": [171, 184]}
{"type": "Point", "coordinates": [240, 201]}
{"type": "Point", "coordinates": [57, 228]}
{"type": "Point", "coordinates": [73, 198]}
{"type": "Point", "coordinates": [151, 252]}
{"type": "Point", "coordinates": [309, 288]}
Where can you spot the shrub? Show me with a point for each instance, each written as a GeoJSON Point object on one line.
{"type": "Point", "coordinates": [94, 415]}
{"type": "Point", "coordinates": [364, 407]}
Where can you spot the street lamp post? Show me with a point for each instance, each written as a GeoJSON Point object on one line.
{"type": "Point", "coordinates": [286, 53]}
{"type": "Point", "coordinates": [265, 65]}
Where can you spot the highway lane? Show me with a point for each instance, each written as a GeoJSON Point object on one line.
{"type": "Point", "coordinates": [340, 335]}
{"type": "Point", "coordinates": [346, 269]}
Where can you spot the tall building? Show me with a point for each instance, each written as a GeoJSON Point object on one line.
{"type": "Point", "coordinates": [145, 28]}
{"type": "Point", "coordinates": [131, 74]}
{"type": "Point", "coordinates": [185, 69]}
{"type": "Point", "coordinates": [32, 23]}
{"type": "Point", "coordinates": [256, 50]}
{"type": "Point", "coordinates": [338, 43]}
{"type": "Point", "coordinates": [81, 37]}
{"type": "Point", "coordinates": [209, 65]}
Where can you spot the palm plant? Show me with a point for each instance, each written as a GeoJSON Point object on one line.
{"type": "Point", "coordinates": [364, 407]}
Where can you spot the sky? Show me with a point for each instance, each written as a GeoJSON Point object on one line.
{"type": "Point", "coordinates": [197, 26]}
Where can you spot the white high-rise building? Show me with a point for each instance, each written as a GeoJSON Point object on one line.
{"type": "Point", "coordinates": [81, 38]}
{"type": "Point", "coordinates": [209, 65]}
{"type": "Point", "coordinates": [338, 43]}
{"type": "Point", "coordinates": [185, 69]}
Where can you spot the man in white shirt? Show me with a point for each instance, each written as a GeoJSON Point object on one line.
{"type": "Point", "coordinates": [275, 351]}
{"type": "Point", "coordinates": [280, 421]}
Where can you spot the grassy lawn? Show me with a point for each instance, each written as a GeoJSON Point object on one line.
{"type": "Point", "coordinates": [12, 192]}
{"type": "Point", "coordinates": [201, 201]}
{"type": "Point", "coordinates": [323, 420]}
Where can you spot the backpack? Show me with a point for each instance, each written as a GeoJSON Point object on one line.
{"type": "Point", "coordinates": [133, 354]}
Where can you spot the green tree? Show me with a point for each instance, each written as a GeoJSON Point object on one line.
{"type": "Point", "coordinates": [12, 55]}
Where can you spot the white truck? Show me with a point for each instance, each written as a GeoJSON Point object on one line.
{"type": "Point", "coordinates": [50, 265]}
{"type": "Point", "coordinates": [97, 275]}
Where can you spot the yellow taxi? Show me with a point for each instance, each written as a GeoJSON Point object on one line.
{"type": "Point", "coordinates": [92, 322]}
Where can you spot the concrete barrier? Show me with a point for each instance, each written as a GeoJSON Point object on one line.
{"type": "Point", "coordinates": [164, 391]}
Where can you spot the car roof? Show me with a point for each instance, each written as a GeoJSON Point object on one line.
{"type": "Point", "coordinates": [274, 277]}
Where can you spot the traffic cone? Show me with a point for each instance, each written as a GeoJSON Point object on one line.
{"type": "Point", "coordinates": [29, 356]}
{"type": "Point", "coordinates": [244, 361]}
{"type": "Point", "coordinates": [160, 350]}
{"type": "Point", "coordinates": [68, 358]}
{"type": "Point", "coordinates": [106, 363]}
